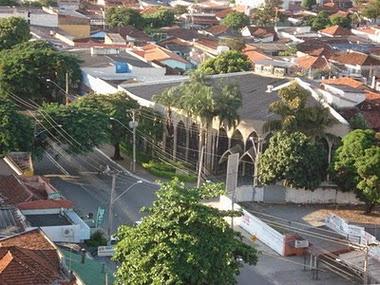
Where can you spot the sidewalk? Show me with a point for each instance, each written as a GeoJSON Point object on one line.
{"type": "Point", "coordinates": [286, 270]}
{"type": "Point", "coordinates": [127, 163]}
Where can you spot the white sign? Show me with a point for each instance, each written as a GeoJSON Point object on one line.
{"type": "Point", "coordinates": [106, 250]}
{"type": "Point", "coordinates": [301, 243]}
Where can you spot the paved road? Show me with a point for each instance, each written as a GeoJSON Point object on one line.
{"type": "Point", "coordinates": [89, 190]}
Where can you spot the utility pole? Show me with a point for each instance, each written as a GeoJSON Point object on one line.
{"type": "Point", "coordinates": [110, 221]}
{"type": "Point", "coordinates": [133, 124]}
{"type": "Point", "coordinates": [200, 167]}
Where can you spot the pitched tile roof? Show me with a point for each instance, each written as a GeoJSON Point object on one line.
{"type": "Point", "coordinates": [12, 191]}
{"type": "Point", "coordinates": [218, 30]}
{"type": "Point", "coordinates": [46, 204]}
{"type": "Point", "coordinates": [335, 31]}
{"type": "Point", "coordinates": [355, 58]}
{"type": "Point", "coordinates": [347, 81]}
{"type": "Point", "coordinates": [132, 32]}
{"type": "Point", "coordinates": [312, 62]}
{"type": "Point", "coordinates": [323, 51]}
{"type": "Point", "coordinates": [223, 13]}
{"type": "Point", "coordinates": [261, 32]}
{"type": "Point", "coordinates": [153, 52]}
{"type": "Point", "coordinates": [181, 33]}
{"type": "Point", "coordinates": [255, 56]}
{"type": "Point", "coordinates": [29, 258]}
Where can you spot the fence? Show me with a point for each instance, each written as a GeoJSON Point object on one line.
{"type": "Point", "coordinates": [256, 227]}
{"type": "Point", "coordinates": [281, 195]}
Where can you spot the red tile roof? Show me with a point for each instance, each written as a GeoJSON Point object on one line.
{"type": "Point", "coordinates": [154, 52]}
{"type": "Point", "coordinates": [261, 32]}
{"type": "Point", "coordinates": [255, 56]}
{"type": "Point", "coordinates": [335, 31]}
{"type": "Point", "coordinates": [218, 30]}
{"type": "Point", "coordinates": [223, 13]}
{"type": "Point", "coordinates": [29, 259]}
{"type": "Point", "coordinates": [312, 62]}
{"type": "Point", "coordinates": [12, 191]}
{"type": "Point", "coordinates": [45, 204]}
{"type": "Point", "coordinates": [355, 58]}
{"type": "Point", "coordinates": [346, 81]}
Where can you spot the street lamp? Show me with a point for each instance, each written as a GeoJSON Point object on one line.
{"type": "Point", "coordinates": [113, 200]}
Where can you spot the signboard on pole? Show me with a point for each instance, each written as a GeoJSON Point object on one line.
{"type": "Point", "coordinates": [99, 216]}
{"type": "Point", "coordinates": [232, 173]}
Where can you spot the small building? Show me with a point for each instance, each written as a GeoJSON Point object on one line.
{"type": "Point", "coordinates": [32, 258]}
{"type": "Point", "coordinates": [57, 219]}
{"type": "Point", "coordinates": [335, 31]}
{"type": "Point", "coordinates": [114, 39]}
{"type": "Point", "coordinates": [259, 34]}
{"type": "Point", "coordinates": [74, 23]}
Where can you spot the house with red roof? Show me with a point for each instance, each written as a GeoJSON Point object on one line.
{"type": "Point", "coordinates": [335, 31]}
{"type": "Point", "coordinates": [31, 258]}
{"type": "Point", "coordinates": [259, 34]}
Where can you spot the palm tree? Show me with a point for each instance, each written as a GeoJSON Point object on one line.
{"type": "Point", "coordinates": [168, 99]}
{"type": "Point", "coordinates": [227, 103]}
{"type": "Point", "coordinates": [293, 115]}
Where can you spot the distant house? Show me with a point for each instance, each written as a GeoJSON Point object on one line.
{"type": "Point", "coordinates": [178, 46]}
{"type": "Point", "coordinates": [368, 32]}
{"type": "Point", "coordinates": [335, 31]}
{"type": "Point", "coordinates": [114, 39]}
{"type": "Point", "coordinates": [74, 23]}
{"type": "Point", "coordinates": [156, 53]}
{"type": "Point", "coordinates": [56, 218]}
{"type": "Point", "coordinates": [311, 64]}
{"type": "Point", "coordinates": [32, 258]}
{"type": "Point", "coordinates": [356, 64]}
{"type": "Point", "coordinates": [259, 34]}
{"type": "Point", "coordinates": [211, 47]}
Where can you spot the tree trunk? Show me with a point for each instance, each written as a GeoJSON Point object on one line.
{"type": "Point", "coordinates": [117, 155]}
{"type": "Point", "coordinates": [369, 207]}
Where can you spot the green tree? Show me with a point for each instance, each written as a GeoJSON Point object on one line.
{"type": "Point", "coordinates": [159, 18]}
{"type": "Point", "coordinates": [307, 4]}
{"type": "Point", "coordinates": [151, 125]}
{"type": "Point", "coordinates": [293, 159]}
{"type": "Point", "coordinates": [82, 127]}
{"type": "Point", "coordinates": [226, 62]}
{"type": "Point", "coordinates": [123, 16]}
{"type": "Point", "coordinates": [16, 129]}
{"type": "Point", "coordinates": [371, 10]}
{"type": "Point", "coordinates": [349, 157]}
{"type": "Point", "coordinates": [294, 115]}
{"type": "Point", "coordinates": [344, 22]}
{"type": "Point", "coordinates": [13, 30]}
{"type": "Point", "coordinates": [182, 241]}
{"type": "Point", "coordinates": [320, 21]}
{"type": "Point", "coordinates": [25, 68]}
{"type": "Point", "coordinates": [8, 3]}
{"type": "Point", "coordinates": [236, 20]}
{"type": "Point", "coordinates": [117, 106]}
{"type": "Point", "coordinates": [358, 122]}
{"type": "Point", "coordinates": [179, 10]}
{"type": "Point", "coordinates": [368, 168]}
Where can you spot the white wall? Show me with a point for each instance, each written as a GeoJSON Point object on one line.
{"type": "Point", "coordinates": [97, 85]}
{"type": "Point", "coordinates": [37, 19]}
{"type": "Point", "coordinates": [255, 226]}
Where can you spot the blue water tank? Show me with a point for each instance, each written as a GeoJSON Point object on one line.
{"type": "Point", "coordinates": [122, 67]}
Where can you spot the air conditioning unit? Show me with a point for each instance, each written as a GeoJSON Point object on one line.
{"type": "Point", "coordinates": [68, 233]}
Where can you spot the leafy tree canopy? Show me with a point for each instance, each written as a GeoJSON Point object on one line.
{"type": "Point", "coordinates": [82, 126]}
{"type": "Point", "coordinates": [371, 10]}
{"type": "Point", "coordinates": [179, 10]}
{"type": "Point", "coordinates": [25, 68]}
{"type": "Point", "coordinates": [320, 21]}
{"type": "Point", "coordinates": [307, 4]}
{"type": "Point", "coordinates": [13, 30]}
{"type": "Point", "coordinates": [226, 62]}
{"type": "Point", "coordinates": [182, 241]}
{"type": "Point", "coordinates": [358, 122]}
{"type": "Point", "coordinates": [236, 20]}
{"type": "Point", "coordinates": [355, 168]}
{"type": "Point", "coordinates": [159, 18]}
{"type": "Point", "coordinates": [293, 159]}
{"type": "Point", "coordinates": [16, 129]}
{"type": "Point", "coordinates": [123, 16]}
{"type": "Point", "coordinates": [344, 22]}
{"type": "Point", "coordinates": [117, 106]}
{"type": "Point", "coordinates": [295, 115]}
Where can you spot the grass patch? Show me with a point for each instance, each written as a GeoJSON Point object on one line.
{"type": "Point", "coordinates": [166, 170]}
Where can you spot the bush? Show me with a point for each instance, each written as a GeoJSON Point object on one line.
{"type": "Point", "coordinates": [97, 239]}
{"type": "Point", "coordinates": [165, 170]}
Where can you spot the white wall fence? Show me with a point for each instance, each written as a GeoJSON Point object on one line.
{"type": "Point", "coordinates": [353, 233]}
{"type": "Point", "coordinates": [255, 226]}
{"type": "Point", "coordinates": [281, 195]}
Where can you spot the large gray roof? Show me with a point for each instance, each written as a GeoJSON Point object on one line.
{"type": "Point", "coordinates": [253, 88]}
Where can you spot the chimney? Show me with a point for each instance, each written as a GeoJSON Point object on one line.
{"type": "Point", "coordinates": [83, 255]}
{"type": "Point", "coordinates": [269, 88]}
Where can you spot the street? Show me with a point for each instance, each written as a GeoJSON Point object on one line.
{"type": "Point", "coordinates": [89, 189]}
